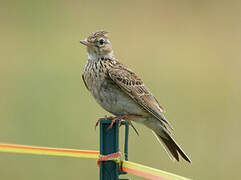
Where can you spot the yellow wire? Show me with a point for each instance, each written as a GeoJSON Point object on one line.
{"type": "Point", "coordinates": [127, 166]}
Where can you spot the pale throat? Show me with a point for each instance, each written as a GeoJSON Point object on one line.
{"type": "Point", "coordinates": [96, 56]}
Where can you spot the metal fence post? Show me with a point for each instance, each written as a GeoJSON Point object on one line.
{"type": "Point", "coordinates": [109, 143]}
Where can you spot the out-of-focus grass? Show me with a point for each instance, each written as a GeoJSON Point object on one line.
{"type": "Point", "coordinates": [188, 54]}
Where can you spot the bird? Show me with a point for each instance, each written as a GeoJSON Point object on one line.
{"type": "Point", "coordinates": [118, 90]}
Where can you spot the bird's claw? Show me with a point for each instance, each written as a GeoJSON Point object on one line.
{"type": "Point", "coordinates": [104, 118]}
{"type": "Point", "coordinates": [119, 119]}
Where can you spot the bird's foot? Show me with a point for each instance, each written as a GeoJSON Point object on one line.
{"type": "Point", "coordinates": [119, 119]}
{"type": "Point", "coordinates": [125, 118]}
{"type": "Point", "coordinates": [129, 122]}
{"type": "Point", "coordinates": [104, 118]}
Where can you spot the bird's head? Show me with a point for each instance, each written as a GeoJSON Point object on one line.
{"type": "Point", "coordinates": [98, 45]}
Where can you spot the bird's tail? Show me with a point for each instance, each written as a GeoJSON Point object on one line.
{"type": "Point", "coordinates": [170, 145]}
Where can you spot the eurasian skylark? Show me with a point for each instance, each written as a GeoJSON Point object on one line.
{"type": "Point", "coordinates": [119, 91]}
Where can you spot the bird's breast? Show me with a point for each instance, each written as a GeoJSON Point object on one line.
{"type": "Point", "coordinates": [108, 94]}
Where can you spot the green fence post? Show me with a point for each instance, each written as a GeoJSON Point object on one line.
{"type": "Point", "coordinates": [109, 143]}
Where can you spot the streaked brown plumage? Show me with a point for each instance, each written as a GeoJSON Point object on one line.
{"type": "Point", "coordinates": [121, 92]}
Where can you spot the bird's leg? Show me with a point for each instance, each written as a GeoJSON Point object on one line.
{"type": "Point", "coordinates": [129, 122]}
{"type": "Point", "coordinates": [123, 117]}
{"type": "Point", "coordinates": [104, 118]}
{"type": "Point", "coordinates": [119, 118]}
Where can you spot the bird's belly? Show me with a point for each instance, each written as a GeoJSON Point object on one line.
{"type": "Point", "coordinates": [115, 101]}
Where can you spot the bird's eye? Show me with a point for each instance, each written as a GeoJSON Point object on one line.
{"type": "Point", "coordinates": [102, 41]}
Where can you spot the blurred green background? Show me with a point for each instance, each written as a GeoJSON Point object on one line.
{"type": "Point", "coordinates": [187, 52]}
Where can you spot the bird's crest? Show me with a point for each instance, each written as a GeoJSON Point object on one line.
{"type": "Point", "coordinates": [100, 33]}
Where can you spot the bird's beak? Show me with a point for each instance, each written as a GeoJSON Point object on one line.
{"type": "Point", "coordinates": [84, 42]}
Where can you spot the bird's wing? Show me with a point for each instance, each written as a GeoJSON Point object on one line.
{"type": "Point", "coordinates": [128, 81]}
